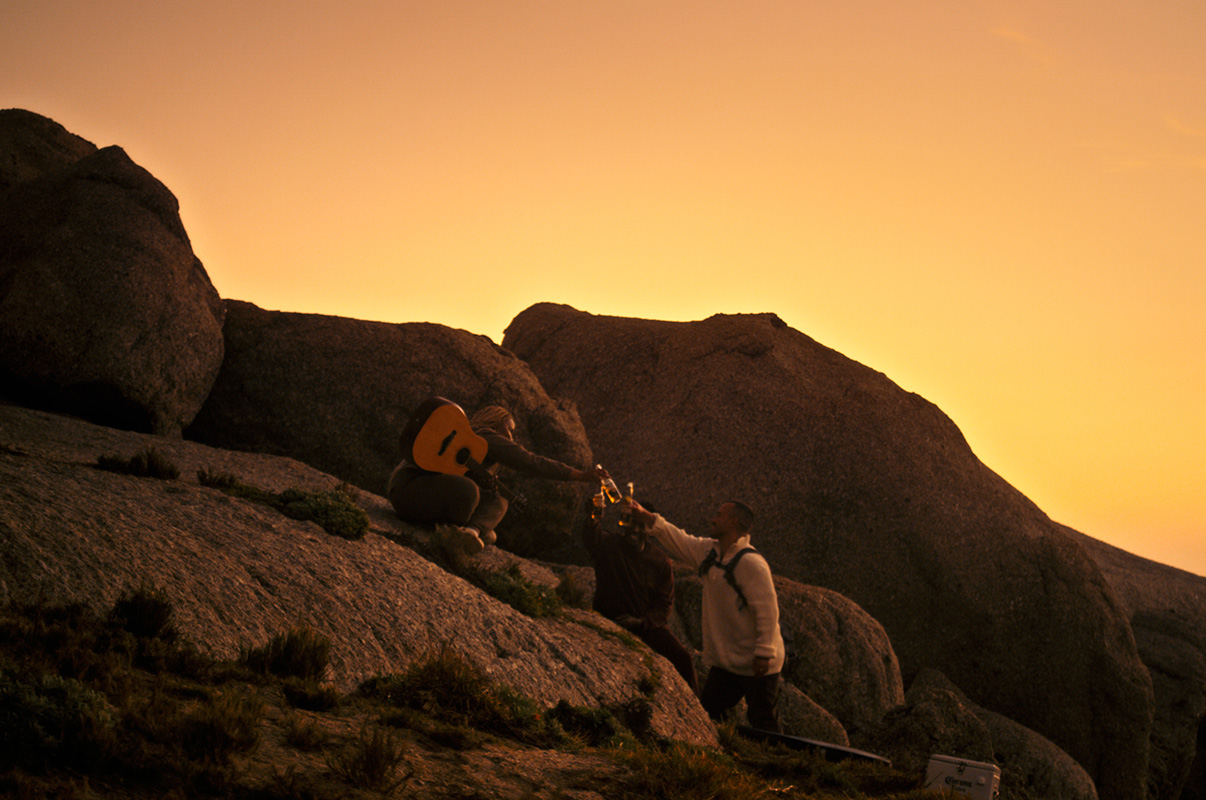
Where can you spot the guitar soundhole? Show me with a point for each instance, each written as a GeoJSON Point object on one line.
{"type": "Point", "coordinates": [462, 455]}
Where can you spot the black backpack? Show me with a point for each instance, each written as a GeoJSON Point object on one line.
{"type": "Point", "coordinates": [713, 560]}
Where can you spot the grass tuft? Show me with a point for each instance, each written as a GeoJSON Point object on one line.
{"type": "Point", "coordinates": [372, 761]}
{"type": "Point", "coordinates": [146, 613]}
{"type": "Point", "coordinates": [150, 463]}
{"type": "Point", "coordinates": [298, 653]}
{"type": "Point", "coordinates": [458, 691]}
{"type": "Point", "coordinates": [309, 694]}
{"type": "Point", "coordinates": [225, 725]}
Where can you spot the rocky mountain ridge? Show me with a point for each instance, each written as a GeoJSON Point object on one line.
{"type": "Point", "coordinates": [1068, 663]}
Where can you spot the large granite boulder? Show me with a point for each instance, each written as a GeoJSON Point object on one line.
{"type": "Point", "coordinates": [1031, 765]}
{"type": "Point", "coordinates": [239, 572]}
{"type": "Point", "coordinates": [930, 722]}
{"type": "Point", "coordinates": [872, 492]}
{"type": "Point", "coordinates": [1167, 607]}
{"type": "Point", "coordinates": [105, 311]}
{"type": "Point", "coordinates": [32, 145]}
{"type": "Point", "coordinates": [334, 393]}
{"type": "Point", "coordinates": [936, 718]}
{"type": "Point", "coordinates": [838, 655]}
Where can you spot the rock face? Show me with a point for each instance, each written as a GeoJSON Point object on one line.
{"type": "Point", "coordinates": [104, 309]}
{"type": "Point", "coordinates": [1031, 765]}
{"type": "Point", "coordinates": [32, 145]}
{"type": "Point", "coordinates": [937, 718]}
{"type": "Point", "coordinates": [335, 393]}
{"type": "Point", "coordinates": [869, 491]}
{"type": "Point", "coordinates": [239, 573]}
{"type": "Point", "coordinates": [1167, 608]}
{"type": "Point", "coordinates": [840, 657]}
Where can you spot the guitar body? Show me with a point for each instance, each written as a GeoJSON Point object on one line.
{"type": "Point", "coordinates": [441, 439]}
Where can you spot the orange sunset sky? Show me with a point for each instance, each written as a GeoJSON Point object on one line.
{"type": "Point", "coordinates": [997, 204]}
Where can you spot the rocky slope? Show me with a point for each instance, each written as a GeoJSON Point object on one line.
{"type": "Point", "coordinates": [239, 572]}
{"type": "Point", "coordinates": [902, 561]}
{"type": "Point", "coordinates": [872, 492]}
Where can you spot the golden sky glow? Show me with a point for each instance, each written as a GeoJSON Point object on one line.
{"type": "Point", "coordinates": [999, 205]}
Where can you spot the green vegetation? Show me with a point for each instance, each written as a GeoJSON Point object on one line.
{"type": "Point", "coordinates": [335, 511]}
{"type": "Point", "coordinates": [118, 705]}
{"type": "Point", "coordinates": [511, 587]}
{"type": "Point", "coordinates": [460, 693]}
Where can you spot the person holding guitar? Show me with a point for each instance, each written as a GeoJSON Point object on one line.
{"type": "Point", "coordinates": [449, 470]}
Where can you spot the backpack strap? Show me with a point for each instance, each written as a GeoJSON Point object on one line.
{"type": "Point", "coordinates": [713, 560]}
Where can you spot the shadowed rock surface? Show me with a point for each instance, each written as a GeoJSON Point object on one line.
{"type": "Point", "coordinates": [872, 492]}
{"type": "Point", "coordinates": [1167, 608]}
{"type": "Point", "coordinates": [335, 393]}
{"type": "Point", "coordinates": [1027, 760]}
{"type": "Point", "coordinates": [840, 657]}
{"type": "Point", "coordinates": [104, 310]}
{"type": "Point", "coordinates": [239, 572]}
{"type": "Point", "coordinates": [32, 145]}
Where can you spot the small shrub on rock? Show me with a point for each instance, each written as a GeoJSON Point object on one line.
{"type": "Point", "coordinates": [299, 653]}
{"type": "Point", "coordinates": [448, 686]}
{"type": "Point", "coordinates": [335, 511]}
{"type": "Point", "coordinates": [372, 761]}
{"type": "Point", "coordinates": [150, 463]}
{"type": "Point", "coordinates": [525, 596]}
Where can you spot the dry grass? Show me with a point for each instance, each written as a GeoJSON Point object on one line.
{"type": "Point", "coordinates": [115, 705]}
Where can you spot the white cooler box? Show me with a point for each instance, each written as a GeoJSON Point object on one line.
{"type": "Point", "coordinates": [972, 778]}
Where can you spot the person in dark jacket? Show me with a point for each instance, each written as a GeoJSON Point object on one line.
{"type": "Point", "coordinates": [473, 508]}
{"type": "Point", "coordinates": [634, 587]}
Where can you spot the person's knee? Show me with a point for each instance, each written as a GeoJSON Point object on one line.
{"type": "Point", "coordinates": [462, 501]}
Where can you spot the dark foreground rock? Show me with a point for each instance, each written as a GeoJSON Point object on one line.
{"type": "Point", "coordinates": [335, 393]}
{"type": "Point", "coordinates": [1167, 608]}
{"type": "Point", "coordinates": [872, 492]}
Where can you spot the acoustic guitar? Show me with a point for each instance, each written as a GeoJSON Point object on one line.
{"type": "Point", "coordinates": [439, 438]}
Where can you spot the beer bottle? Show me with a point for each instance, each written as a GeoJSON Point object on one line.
{"type": "Point", "coordinates": [596, 505]}
{"type": "Point", "coordinates": [609, 488]}
{"type": "Point", "coordinates": [626, 513]}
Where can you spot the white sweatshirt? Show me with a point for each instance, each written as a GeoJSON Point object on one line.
{"type": "Point", "coordinates": [732, 636]}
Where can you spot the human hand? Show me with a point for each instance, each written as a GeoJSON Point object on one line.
{"type": "Point", "coordinates": [640, 515]}
{"type": "Point", "coordinates": [761, 666]}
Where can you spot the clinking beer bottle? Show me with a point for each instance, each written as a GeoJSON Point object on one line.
{"type": "Point", "coordinates": [596, 505]}
{"type": "Point", "coordinates": [609, 488]}
{"type": "Point", "coordinates": [626, 514]}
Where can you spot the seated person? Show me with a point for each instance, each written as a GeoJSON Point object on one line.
{"type": "Point", "coordinates": [634, 587]}
{"type": "Point", "coordinates": [474, 508]}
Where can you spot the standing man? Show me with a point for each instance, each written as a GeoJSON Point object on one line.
{"type": "Point", "coordinates": [742, 645]}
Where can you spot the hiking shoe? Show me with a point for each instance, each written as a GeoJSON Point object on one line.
{"type": "Point", "coordinates": [468, 540]}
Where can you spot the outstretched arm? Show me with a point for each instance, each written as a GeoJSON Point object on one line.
{"type": "Point", "coordinates": [677, 543]}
